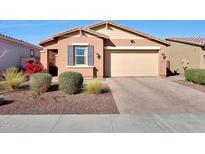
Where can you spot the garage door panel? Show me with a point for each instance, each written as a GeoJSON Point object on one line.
{"type": "Point", "coordinates": [132, 63]}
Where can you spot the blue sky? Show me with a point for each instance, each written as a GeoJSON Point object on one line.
{"type": "Point", "coordinates": [34, 31]}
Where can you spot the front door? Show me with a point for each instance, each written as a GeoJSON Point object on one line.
{"type": "Point", "coordinates": [53, 69]}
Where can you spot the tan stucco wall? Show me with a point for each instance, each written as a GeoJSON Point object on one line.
{"type": "Point", "coordinates": [179, 52]}
{"type": "Point", "coordinates": [62, 59]}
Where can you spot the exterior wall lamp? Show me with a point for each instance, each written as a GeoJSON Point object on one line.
{"type": "Point", "coordinates": [163, 56]}
{"type": "Point", "coordinates": [98, 55]}
{"type": "Point", "coordinates": [132, 41]}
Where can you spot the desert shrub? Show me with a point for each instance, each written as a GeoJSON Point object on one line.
{"type": "Point", "coordinates": [189, 74]}
{"type": "Point", "coordinates": [40, 83]}
{"type": "Point", "coordinates": [1, 99]}
{"type": "Point", "coordinates": [32, 67]}
{"type": "Point", "coordinates": [70, 82]}
{"type": "Point", "coordinates": [94, 87]}
{"type": "Point", "coordinates": [13, 78]}
{"type": "Point", "coordinates": [195, 75]}
{"type": "Point", "coordinates": [199, 77]}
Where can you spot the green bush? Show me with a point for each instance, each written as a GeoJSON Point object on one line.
{"type": "Point", "coordinates": [94, 87]}
{"type": "Point", "coordinates": [199, 77]}
{"type": "Point", "coordinates": [40, 83]}
{"type": "Point", "coordinates": [195, 75]}
{"type": "Point", "coordinates": [13, 78]}
{"type": "Point", "coordinates": [1, 99]}
{"type": "Point", "coordinates": [70, 82]}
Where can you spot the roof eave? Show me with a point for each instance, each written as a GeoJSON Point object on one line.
{"type": "Point", "coordinates": [189, 43]}
{"type": "Point", "coordinates": [70, 31]}
{"type": "Point", "coordinates": [46, 41]}
{"type": "Point", "coordinates": [23, 43]}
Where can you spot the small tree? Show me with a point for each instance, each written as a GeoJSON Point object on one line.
{"type": "Point", "coordinates": [32, 67]}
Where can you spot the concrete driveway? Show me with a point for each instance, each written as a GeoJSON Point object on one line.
{"type": "Point", "coordinates": [154, 95]}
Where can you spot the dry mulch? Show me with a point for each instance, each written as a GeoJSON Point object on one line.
{"type": "Point", "coordinates": [56, 102]}
{"type": "Point", "coordinates": [191, 85]}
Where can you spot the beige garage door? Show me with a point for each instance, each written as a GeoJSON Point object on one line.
{"type": "Point", "coordinates": [131, 63]}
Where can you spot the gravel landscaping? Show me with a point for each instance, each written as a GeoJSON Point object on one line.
{"type": "Point", "coordinates": [191, 85]}
{"type": "Point", "coordinates": [56, 102]}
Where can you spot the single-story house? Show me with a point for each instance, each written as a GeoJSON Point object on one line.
{"type": "Point", "coordinates": [186, 52]}
{"type": "Point", "coordinates": [14, 52]}
{"type": "Point", "coordinates": [105, 49]}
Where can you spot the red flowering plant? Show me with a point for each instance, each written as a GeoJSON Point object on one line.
{"type": "Point", "coordinates": [32, 67]}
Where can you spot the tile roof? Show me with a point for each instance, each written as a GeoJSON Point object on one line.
{"type": "Point", "coordinates": [73, 30]}
{"type": "Point", "coordinates": [8, 38]}
{"type": "Point", "coordinates": [131, 30]}
{"type": "Point", "coordinates": [198, 41]}
{"type": "Point", "coordinates": [88, 29]}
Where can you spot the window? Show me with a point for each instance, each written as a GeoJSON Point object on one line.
{"type": "Point", "coordinates": [32, 54]}
{"type": "Point", "coordinates": [80, 55]}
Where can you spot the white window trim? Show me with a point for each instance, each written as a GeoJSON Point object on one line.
{"type": "Point", "coordinates": [80, 44]}
{"type": "Point", "coordinates": [86, 57]}
{"type": "Point", "coordinates": [132, 47]}
{"type": "Point", "coordinates": [78, 66]}
{"type": "Point", "coordinates": [33, 53]}
{"type": "Point", "coordinates": [42, 51]}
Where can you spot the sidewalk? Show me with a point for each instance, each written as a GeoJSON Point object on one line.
{"type": "Point", "coordinates": [102, 123]}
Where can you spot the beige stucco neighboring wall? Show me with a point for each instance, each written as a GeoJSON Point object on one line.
{"type": "Point", "coordinates": [202, 58]}
{"type": "Point", "coordinates": [184, 55]}
{"type": "Point", "coordinates": [14, 54]}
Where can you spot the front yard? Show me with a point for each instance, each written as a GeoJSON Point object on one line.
{"type": "Point", "coordinates": [193, 78]}
{"type": "Point", "coordinates": [34, 93]}
{"type": "Point", "coordinates": [56, 102]}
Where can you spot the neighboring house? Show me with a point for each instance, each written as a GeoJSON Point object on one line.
{"type": "Point", "coordinates": [105, 49]}
{"type": "Point", "coordinates": [14, 52]}
{"type": "Point", "coordinates": [186, 52]}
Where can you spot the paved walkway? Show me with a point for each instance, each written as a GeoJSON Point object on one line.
{"type": "Point", "coordinates": [150, 95]}
{"type": "Point", "coordinates": [175, 77]}
{"type": "Point", "coordinates": [154, 123]}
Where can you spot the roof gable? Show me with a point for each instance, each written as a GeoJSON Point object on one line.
{"type": "Point", "coordinates": [114, 32]}
{"type": "Point", "coordinates": [80, 29]}
{"type": "Point", "coordinates": [89, 29]}
{"type": "Point", "coordinates": [132, 31]}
